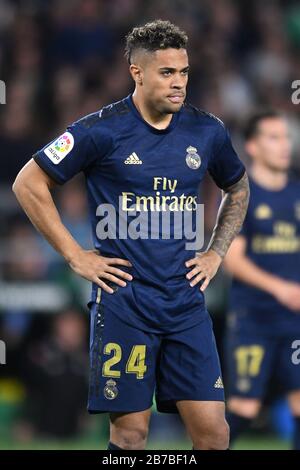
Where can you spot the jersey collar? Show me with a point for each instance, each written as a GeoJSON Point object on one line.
{"type": "Point", "coordinates": [136, 113]}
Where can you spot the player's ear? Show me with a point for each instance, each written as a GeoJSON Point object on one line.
{"type": "Point", "coordinates": [136, 73]}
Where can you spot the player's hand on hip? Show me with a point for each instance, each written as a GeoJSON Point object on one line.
{"type": "Point", "coordinates": [100, 269]}
{"type": "Point", "coordinates": [288, 294]}
{"type": "Point", "coordinates": [204, 267]}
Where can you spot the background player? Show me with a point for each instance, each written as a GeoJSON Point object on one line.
{"type": "Point", "coordinates": [264, 261]}
{"type": "Point", "coordinates": [154, 330]}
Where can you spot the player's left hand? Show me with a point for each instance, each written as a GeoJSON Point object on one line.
{"type": "Point", "coordinates": [206, 265]}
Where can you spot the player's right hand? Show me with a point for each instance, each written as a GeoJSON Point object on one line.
{"type": "Point", "coordinates": [288, 294]}
{"type": "Point", "coordinates": [96, 268]}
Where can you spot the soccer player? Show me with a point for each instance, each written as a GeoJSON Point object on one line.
{"type": "Point", "coordinates": [146, 155]}
{"type": "Point", "coordinates": [264, 261]}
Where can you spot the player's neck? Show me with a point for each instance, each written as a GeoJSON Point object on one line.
{"type": "Point", "coordinates": [268, 178]}
{"type": "Point", "coordinates": [150, 115]}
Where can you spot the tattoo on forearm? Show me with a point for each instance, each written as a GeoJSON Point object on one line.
{"type": "Point", "coordinates": [231, 216]}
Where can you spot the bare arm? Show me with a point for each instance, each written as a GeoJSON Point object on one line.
{"type": "Point", "coordinates": [230, 218]}
{"type": "Point", "coordinates": [32, 188]}
{"type": "Point", "coordinates": [242, 268]}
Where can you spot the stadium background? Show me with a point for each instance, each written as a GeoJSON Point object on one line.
{"type": "Point", "coordinates": [64, 59]}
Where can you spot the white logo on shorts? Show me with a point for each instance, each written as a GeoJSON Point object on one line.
{"type": "Point", "coordinates": [110, 390]}
{"type": "Point", "coordinates": [219, 383]}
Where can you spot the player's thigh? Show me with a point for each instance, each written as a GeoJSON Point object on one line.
{"type": "Point", "coordinates": [245, 407]}
{"type": "Point", "coordinates": [203, 417]}
{"type": "Point", "coordinates": [122, 362]}
{"type": "Point", "coordinates": [294, 402]}
{"type": "Point", "coordinates": [189, 367]}
{"type": "Point", "coordinates": [250, 362]}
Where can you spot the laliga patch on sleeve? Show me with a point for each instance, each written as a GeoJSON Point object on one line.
{"type": "Point", "coordinates": [60, 148]}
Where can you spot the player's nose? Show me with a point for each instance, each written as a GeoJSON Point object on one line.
{"type": "Point", "coordinates": [178, 83]}
{"type": "Point", "coordinates": [178, 86]}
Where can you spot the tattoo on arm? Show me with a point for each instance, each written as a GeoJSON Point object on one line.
{"type": "Point", "coordinates": [231, 216]}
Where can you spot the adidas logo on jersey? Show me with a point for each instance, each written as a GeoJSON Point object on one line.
{"type": "Point", "coordinates": [219, 383]}
{"type": "Point", "coordinates": [133, 159]}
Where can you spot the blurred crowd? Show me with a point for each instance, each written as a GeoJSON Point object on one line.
{"type": "Point", "coordinates": [63, 59]}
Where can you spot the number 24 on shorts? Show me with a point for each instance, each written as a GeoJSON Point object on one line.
{"type": "Point", "coordinates": [135, 364]}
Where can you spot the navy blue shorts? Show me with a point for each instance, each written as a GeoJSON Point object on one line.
{"type": "Point", "coordinates": [128, 366]}
{"type": "Point", "coordinates": [253, 358]}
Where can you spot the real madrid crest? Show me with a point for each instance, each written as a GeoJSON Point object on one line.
{"type": "Point", "coordinates": [192, 158]}
{"type": "Point", "coordinates": [243, 384]}
{"type": "Point", "coordinates": [110, 390]}
{"type": "Point", "coordinates": [263, 211]}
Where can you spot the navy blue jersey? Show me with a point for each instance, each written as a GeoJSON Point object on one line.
{"type": "Point", "coordinates": [138, 170]}
{"type": "Point", "coordinates": [272, 232]}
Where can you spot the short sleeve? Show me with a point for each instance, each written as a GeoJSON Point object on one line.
{"type": "Point", "coordinates": [69, 154]}
{"type": "Point", "coordinates": [225, 167]}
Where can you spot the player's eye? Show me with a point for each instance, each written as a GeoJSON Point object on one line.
{"type": "Point", "coordinates": [166, 73]}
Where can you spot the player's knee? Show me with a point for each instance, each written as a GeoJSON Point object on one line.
{"type": "Point", "coordinates": [294, 403]}
{"type": "Point", "coordinates": [295, 409]}
{"type": "Point", "coordinates": [220, 437]}
{"type": "Point", "coordinates": [130, 439]}
{"type": "Point", "coordinates": [247, 408]}
{"type": "Point", "coordinates": [216, 437]}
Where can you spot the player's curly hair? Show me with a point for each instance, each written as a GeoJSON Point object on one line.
{"type": "Point", "coordinates": [153, 36]}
